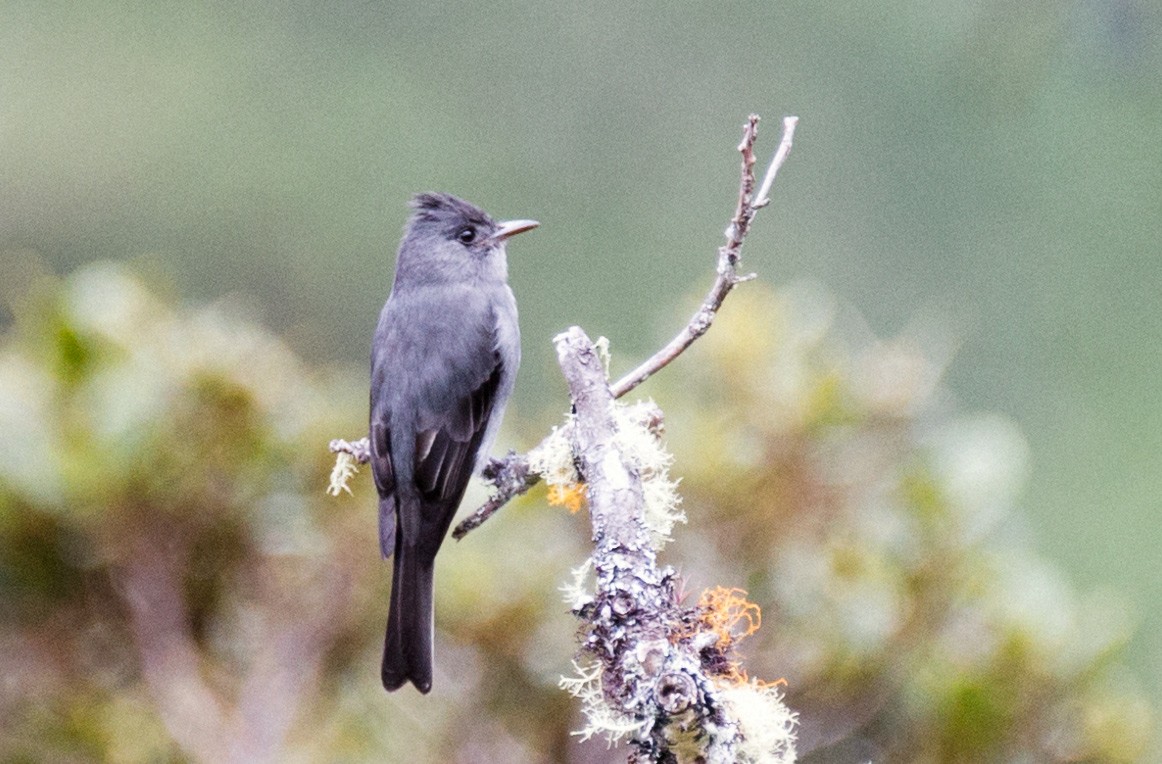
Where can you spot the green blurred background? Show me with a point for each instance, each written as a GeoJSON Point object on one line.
{"type": "Point", "coordinates": [987, 173]}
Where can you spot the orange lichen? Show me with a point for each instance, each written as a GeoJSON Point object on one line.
{"type": "Point", "coordinates": [570, 496]}
{"type": "Point", "coordinates": [731, 618]}
{"type": "Point", "coordinates": [725, 610]}
{"type": "Point", "coordinates": [764, 684]}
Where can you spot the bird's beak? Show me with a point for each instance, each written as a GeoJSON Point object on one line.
{"type": "Point", "coordinates": [511, 228]}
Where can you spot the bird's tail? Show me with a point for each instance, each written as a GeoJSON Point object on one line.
{"type": "Point", "coordinates": [407, 649]}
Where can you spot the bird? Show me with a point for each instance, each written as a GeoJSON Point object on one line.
{"type": "Point", "coordinates": [444, 360]}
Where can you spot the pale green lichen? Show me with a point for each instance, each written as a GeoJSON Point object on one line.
{"type": "Point", "coordinates": [578, 591]}
{"type": "Point", "coordinates": [765, 724]}
{"type": "Point", "coordinates": [644, 453]}
{"type": "Point", "coordinates": [601, 718]}
{"type": "Point", "coordinates": [346, 467]}
{"type": "Point", "coordinates": [601, 345]}
{"type": "Point", "coordinates": [553, 459]}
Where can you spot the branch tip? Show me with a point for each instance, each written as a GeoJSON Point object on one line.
{"type": "Point", "coordinates": [763, 198]}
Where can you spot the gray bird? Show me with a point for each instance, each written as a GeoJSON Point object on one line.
{"type": "Point", "coordinates": [443, 362]}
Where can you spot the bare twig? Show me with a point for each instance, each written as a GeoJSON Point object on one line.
{"type": "Point", "coordinates": [781, 154]}
{"type": "Point", "coordinates": [729, 257]}
{"type": "Point", "coordinates": [360, 449]}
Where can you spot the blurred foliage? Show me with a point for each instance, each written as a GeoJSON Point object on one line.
{"type": "Point", "coordinates": [175, 582]}
{"type": "Point", "coordinates": [148, 446]}
{"type": "Point", "coordinates": [178, 587]}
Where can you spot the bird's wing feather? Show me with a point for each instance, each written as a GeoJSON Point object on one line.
{"type": "Point", "coordinates": [384, 476]}
{"type": "Point", "coordinates": [446, 445]}
{"type": "Point", "coordinates": [381, 454]}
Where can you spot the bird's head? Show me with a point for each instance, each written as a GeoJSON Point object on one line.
{"type": "Point", "coordinates": [449, 239]}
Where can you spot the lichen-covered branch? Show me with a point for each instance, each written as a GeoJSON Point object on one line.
{"type": "Point", "coordinates": [661, 674]}
{"type": "Point", "coordinates": [509, 477]}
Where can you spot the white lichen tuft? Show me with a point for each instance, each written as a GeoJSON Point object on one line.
{"type": "Point", "coordinates": [553, 460]}
{"type": "Point", "coordinates": [644, 453]}
{"type": "Point", "coordinates": [766, 726]}
{"type": "Point", "coordinates": [578, 592]}
{"type": "Point", "coordinates": [636, 445]}
{"type": "Point", "coordinates": [601, 718]}
{"type": "Point", "coordinates": [345, 468]}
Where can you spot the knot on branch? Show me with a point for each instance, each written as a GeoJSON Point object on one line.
{"type": "Point", "coordinates": [667, 676]}
{"type": "Point", "coordinates": [676, 691]}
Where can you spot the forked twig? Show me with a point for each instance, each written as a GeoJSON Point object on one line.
{"type": "Point", "coordinates": [729, 257]}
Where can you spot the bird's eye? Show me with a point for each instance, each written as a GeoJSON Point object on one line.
{"type": "Point", "coordinates": [466, 235]}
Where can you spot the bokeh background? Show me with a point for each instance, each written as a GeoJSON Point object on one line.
{"type": "Point", "coordinates": [982, 179]}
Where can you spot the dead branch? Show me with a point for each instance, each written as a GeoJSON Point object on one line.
{"type": "Point", "coordinates": [660, 671]}
{"type": "Point", "coordinates": [729, 254]}
{"type": "Point", "coordinates": [511, 477]}
{"type": "Point", "coordinates": [727, 277]}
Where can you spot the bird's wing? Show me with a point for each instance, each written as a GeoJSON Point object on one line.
{"type": "Point", "coordinates": [447, 441]}
{"type": "Point", "coordinates": [440, 385]}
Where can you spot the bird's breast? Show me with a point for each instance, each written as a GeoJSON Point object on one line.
{"type": "Point", "coordinates": [442, 341]}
